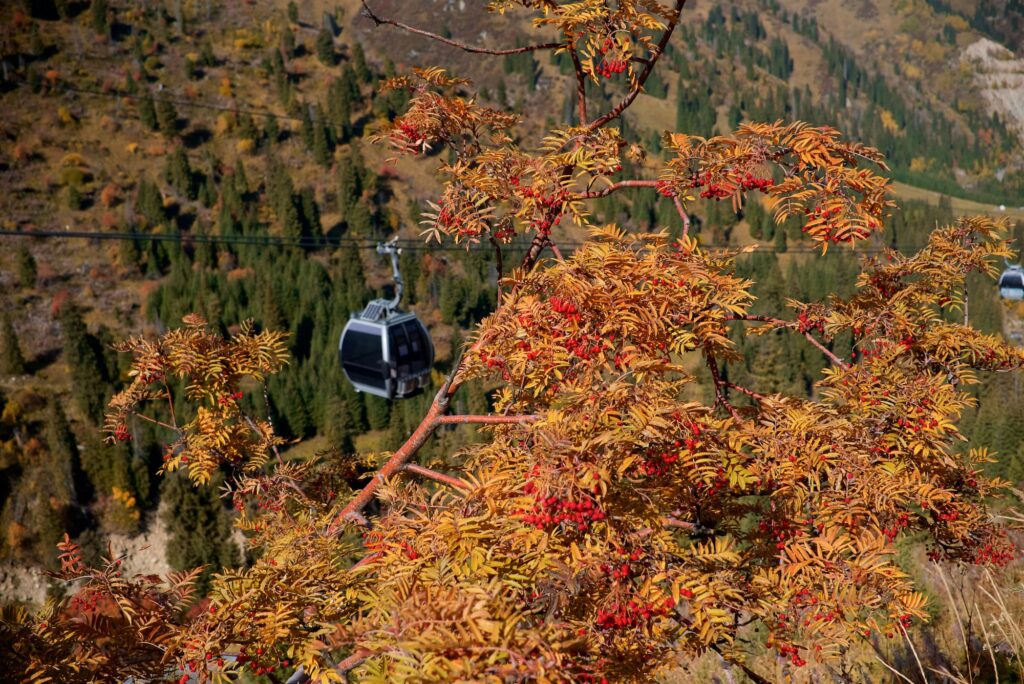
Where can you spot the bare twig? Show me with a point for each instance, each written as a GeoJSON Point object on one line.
{"type": "Point", "coordinates": [380, 21]}
{"type": "Point", "coordinates": [659, 50]}
{"type": "Point", "coordinates": [743, 390]}
{"type": "Point", "coordinates": [790, 325]}
{"type": "Point", "coordinates": [581, 86]}
{"type": "Point", "coordinates": [436, 476]}
{"type": "Point", "coordinates": [485, 420]}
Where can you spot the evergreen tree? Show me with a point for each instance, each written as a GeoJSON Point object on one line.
{"type": "Point", "coordinates": [11, 360]}
{"type": "Point", "coordinates": [74, 198]}
{"type": "Point", "coordinates": [362, 70]}
{"type": "Point", "coordinates": [85, 361]}
{"type": "Point", "coordinates": [378, 412]}
{"type": "Point", "coordinates": [321, 143]}
{"type": "Point", "coordinates": [26, 267]}
{"type": "Point", "coordinates": [199, 528]}
{"type": "Point", "coordinates": [63, 448]}
{"type": "Point", "coordinates": [147, 111]}
{"type": "Point", "coordinates": [349, 188]}
{"type": "Point", "coordinates": [98, 17]}
{"type": "Point", "coordinates": [151, 203]}
{"type": "Point", "coordinates": [179, 174]}
{"type": "Point", "coordinates": [166, 117]}
{"type": "Point", "coordinates": [325, 48]}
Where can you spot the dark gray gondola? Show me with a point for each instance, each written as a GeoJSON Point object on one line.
{"type": "Point", "coordinates": [1011, 283]}
{"type": "Point", "coordinates": [385, 351]}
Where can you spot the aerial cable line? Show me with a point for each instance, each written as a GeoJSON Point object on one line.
{"type": "Point", "coordinates": [337, 241]}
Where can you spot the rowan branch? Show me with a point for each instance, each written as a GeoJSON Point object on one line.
{"type": "Point", "coordinates": [659, 50]}
{"type": "Point", "coordinates": [620, 185]}
{"type": "Point", "coordinates": [352, 662]}
{"type": "Point", "coordinates": [485, 420]}
{"type": "Point", "coordinates": [790, 325]}
{"type": "Point", "coordinates": [743, 390]}
{"type": "Point", "coordinates": [380, 21]}
{"type": "Point", "coordinates": [716, 379]}
{"type": "Point", "coordinates": [581, 86]}
{"type": "Point", "coordinates": [683, 215]}
{"type": "Point", "coordinates": [436, 476]}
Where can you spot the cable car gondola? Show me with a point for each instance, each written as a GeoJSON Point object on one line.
{"type": "Point", "coordinates": [1011, 283]}
{"type": "Point", "coordinates": [385, 351]}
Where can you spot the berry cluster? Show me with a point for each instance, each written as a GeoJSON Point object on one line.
{"type": "Point", "coordinates": [610, 67]}
{"type": "Point", "coordinates": [806, 324]}
{"type": "Point", "coordinates": [411, 135]}
{"type": "Point", "coordinates": [792, 652]}
{"type": "Point", "coordinates": [780, 530]}
{"type": "Point", "coordinates": [901, 523]}
{"type": "Point", "coordinates": [999, 555]}
{"type": "Point", "coordinates": [548, 512]}
{"type": "Point", "coordinates": [121, 433]}
{"type": "Point", "coordinates": [566, 309]}
{"type": "Point", "coordinates": [453, 223]}
{"type": "Point", "coordinates": [229, 399]}
{"type": "Point", "coordinates": [632, 614]}
{"type": "Point", "coordinates": [585, 347]}
{"type": "Point", "coordinates": [261, 663]}
{"type": "Point", "coordinates": [550, 207]}
{"type": "Point", "coordinates": [751, 182]}
{"type": "Point", "coordinates": [665, 189]}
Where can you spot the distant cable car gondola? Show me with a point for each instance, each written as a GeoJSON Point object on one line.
{"type": "Point", "coordinates": [1011, 283]}
{"type": "Point", "coordinates": [385, 351]}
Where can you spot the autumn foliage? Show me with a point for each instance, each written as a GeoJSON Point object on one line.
{"type": "Point", "coordinates": [612, 520]}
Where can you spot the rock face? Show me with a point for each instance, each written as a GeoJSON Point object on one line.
{"type": "Point", "coordinates": [1000, 78]}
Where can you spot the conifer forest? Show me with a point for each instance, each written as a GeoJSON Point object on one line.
{"type": "Point", "coordinates": [591, 341]}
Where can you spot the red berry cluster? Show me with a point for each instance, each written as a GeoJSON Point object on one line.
{"type": "Point", "coordinates": [229, 399]}
{"type": "Point", "coordinates": [632, 614]}
{"type": "Point", "coordinates": [665, 189]}
{"type": "Point", "coordinates": [780, 530]}
{"type": "Point", "coordinates": [261, 663]}
{"type": "Point", "coordinates": [565, 308]}
{"type": "Point", "coordinates": [550, 207]}
{"type": "Point", "coordinates": [121, 433]}
{"type": "Point", "coordinates": [610, 67]}
{"type": "Point", "coordinates": [548, 512]}
{"type": "Point", "coordinates": [713, 190]}
{"type": "Point", "coordinates": [411, 135]}
{"type": "Point", "coordinates": [992, 554]}
{"type": "Point", "coordinates": [451, 222]}
{"type": "Point", "coordinates": [584, 347]}
{"type": "Point", "coordinates": [751, 182]}
{"type": "Point", "coordinates": [792, 652]}
{"type": "Point", "coordinates": [89, 600]}
{"type": "Point", "coordinates": [806, 325]}
{"type": "Point", "coordinates": [893, 531]}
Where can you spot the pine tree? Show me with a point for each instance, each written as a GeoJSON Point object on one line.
{"type": "Point", "coordinates": [151, 203]}
{"type": "Point", "coordinates": [325, 48]}
{"type": "Point", "coordinates": [74, 198]}
{"type": "Point", "coordinates": [179, 174]}
{"type": "Point", "coordinates": [362, 70]}
{"type": "Point", "coordinates": [147, 111]}
{"type": "Point", "coordinates": [85, 361]}
{"type": "Point", "coordinates": [199, 528]}
{"type": "Point", "coordinates": [26, 267]}
{"type": "Point", "coordinates": [321, 143]}
{"type": "Point", "coordinates": [349, 188]}
{"type": "Point", "coordinates": [63, 448]}
{"type": "Point", "coordinates": [166, 117]}
{"type": "Point", "coordinates": [11, 360]}
{"type": "Point", "coordinates": [98, 17]}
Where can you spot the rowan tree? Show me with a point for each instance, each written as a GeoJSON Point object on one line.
{"type": "Point", "coordinates": [607, 523]}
